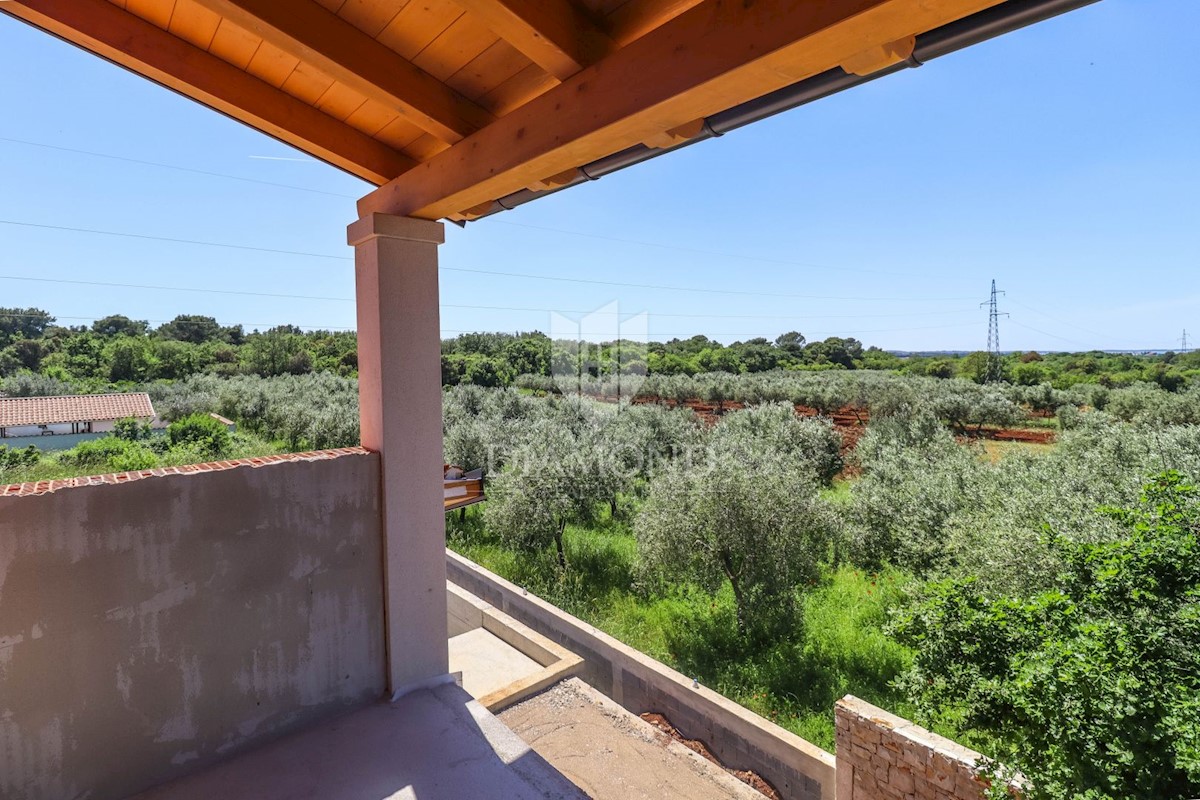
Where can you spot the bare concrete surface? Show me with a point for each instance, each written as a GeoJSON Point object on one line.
{"type": "Point", "coordinates": [487, 662]}
{"type": "Point", "coordinates": [433, 744]}
{"type": "Point", "coordinates": [612, 754]}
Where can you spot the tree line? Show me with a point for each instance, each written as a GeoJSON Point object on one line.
{"type": "Point", "coordinates": [117, 350]}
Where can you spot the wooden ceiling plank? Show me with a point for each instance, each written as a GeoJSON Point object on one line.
{"type": "Point", "coordinates": [418, 24]}
{"type": "Point", "coordinates": [557, 35]}
{"type": "Point", "coordinates": [488, 70]}
{"type": "Point", "coordinates": [340, 101]}
{"type": "Point", "coordinates": [307, 83]}
{"type": "Point", "coordinates": [309, 32]}
{"type": "Point", "coordinates": [706, 60]}
{"type": "Point", "coordinates": [233, 44]}
{"type": "Point", "coordinates": [370, 16]}
{"type": "Point", "coordinates": [518, 90]}
{"type": "Point", "coordinates": [399, 133]}
{"type": "Point", "coordinates": [272, 65]}
{"type": "Point", "coordinates": [157, 12]}
{"type": "Point", "coordinates": [460, 44]}
{"type": "Point", "coordinates": [131, 42]}
{"type": "Point", "coordinates": [195, 24]}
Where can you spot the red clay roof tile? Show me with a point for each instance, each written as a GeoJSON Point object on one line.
{"type": "Point", "coordinates": [15, 411]}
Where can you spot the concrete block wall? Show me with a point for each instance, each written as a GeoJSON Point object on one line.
{"type": "Point", "coordinates": [152, 623]}
{"type": "Point", "coordinates": [798, 769]}
{"type": "Point", "coordinates": [883, 757]}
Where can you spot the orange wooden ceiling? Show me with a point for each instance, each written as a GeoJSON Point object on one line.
{"type": "Point", "coordinates": [449, 104]}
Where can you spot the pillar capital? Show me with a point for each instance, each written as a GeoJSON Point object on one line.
{"type": "Point", "coordinates": [387, 226]}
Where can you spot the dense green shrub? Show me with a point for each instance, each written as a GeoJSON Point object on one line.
{"type": "Point", "coordinates": [200, 432]}
{"type": "Point", "coordinates": [306, 412]}
{"type": "Point", "coordinates": [109, 454]}
{"type": "Point", "coordinates": [132, 430]}
{"type": "Point", "coordinates": [1090, 688]}
{"type": "Point", "coordinates": [14, 458]}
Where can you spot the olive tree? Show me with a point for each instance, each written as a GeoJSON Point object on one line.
{"type": "Point", "coordinates": [555, 478]}
{"type": "Point", "coordinates": [812, 443]}
{"type": "Point", "coordinates": [760, 525]}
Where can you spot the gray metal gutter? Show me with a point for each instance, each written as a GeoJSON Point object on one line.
{"type": "Point", "coordinates": [1005, 18]}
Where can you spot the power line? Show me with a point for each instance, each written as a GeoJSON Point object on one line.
{"type": "Point", "coordinates": [1051, 335]}
{"type": "Point", "coordinates": [99, 317]}
{"type": "Point", "coordinates": [795, 317]}
{"type": "Point", "coordinates": [177, 167]}
{"type": "Point", "coordinates": [701, 290]}
{"type": "Point", "coordinates": [585, 234]}
{"type": "Point", "coordinates": [758, 334]}
{"type": "Point", "coordinates": [147, 237]}
{"type": "Point", "coordinates": [702, 251]}
{"type": "Point", "coordinates": [175, 288]}
{"type": "Point", "coordinates": [1059, 321]}
{"type": "Point", "coordinates": [529, 276]}
{"type": "Point", "coordinates": [451, 330]}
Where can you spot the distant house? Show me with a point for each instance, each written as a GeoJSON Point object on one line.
{"type": "Point", "coordinates": [56, 423]}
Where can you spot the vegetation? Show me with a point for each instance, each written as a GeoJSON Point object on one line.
{"type": "Point", "coordinates": [722, 555]}
{"type": "Point", "coordinates": [123, 454]}
{"type": "Point", "coordinates": [1091, 685]}
{"type": "Point", "coordinates": [119, 351]}
{"type": "Point", "coordinates": [900, 554]}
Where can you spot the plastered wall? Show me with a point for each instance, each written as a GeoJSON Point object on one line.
{"type": "Point", "coordinates": [153, 626]}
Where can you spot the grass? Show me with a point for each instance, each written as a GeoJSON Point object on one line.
{"type": "Point", "coordinates": [995, 450]}
{"type": "Point", "coordinates": [838, 647]}
{"type": "Point", "coordinates": [53, 466]}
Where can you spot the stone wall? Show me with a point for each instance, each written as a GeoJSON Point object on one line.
{"type": "Point", "coordinates": [883, 757]}
{"type": "Point", "coordinates": [152, 623]}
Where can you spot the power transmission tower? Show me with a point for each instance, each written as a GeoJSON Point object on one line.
{"type": "Point", "coordinates": [1183, 342]}
{"type": "Point", "coordinates": [995, 370]}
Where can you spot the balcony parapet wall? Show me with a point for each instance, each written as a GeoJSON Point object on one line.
{"type": "Point", "coordinates": [30, 488]}
{"type": "Point", "coordinates": [155, 622]}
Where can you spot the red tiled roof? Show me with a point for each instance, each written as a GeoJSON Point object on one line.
{"type": "Point", "coordinates": [73, 408]}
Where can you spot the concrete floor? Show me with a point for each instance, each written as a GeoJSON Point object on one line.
{"type": "Point", "coordinates": [612, 754]}
{"type": "Point", "coordinates": [487, 662]}
{"type": "Point", "coordinates": [431, 744]}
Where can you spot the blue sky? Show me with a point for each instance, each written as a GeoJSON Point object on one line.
{"type": "Point", "coordinates": [1062, 160]}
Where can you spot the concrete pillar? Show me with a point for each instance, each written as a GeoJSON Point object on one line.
{"type": "Point", "coordinates": [400, 396]}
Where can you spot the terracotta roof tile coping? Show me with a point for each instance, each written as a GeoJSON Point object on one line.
{"type": "Point", "coordinates": [32, 488]}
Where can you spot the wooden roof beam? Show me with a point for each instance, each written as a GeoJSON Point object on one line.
{"type": "Point", "coordinates": [706, 60]}
{"type": "Point", "coordinates": [131, 42]}
{"type": "Point", "coordinates": [636, 18]}
{"type": "Point", "coordinates": [308, 31]}
{"type": "Point", "coordinates": [557, 35]}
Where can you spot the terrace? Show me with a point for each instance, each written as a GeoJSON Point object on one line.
{"type": "Point", "coordinates": [279, 627]}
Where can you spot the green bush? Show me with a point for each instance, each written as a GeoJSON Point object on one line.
{"type": "Point", "coordinates": [132, 430]}
{"type": "Point", "coordinates": [11, 458]}
{"type": "Point", "coordinates": [110, 454]}
{"type": "Point", "coordinates": [200, 432]}
{"type": "Point", "coordinates": [1091, 688]}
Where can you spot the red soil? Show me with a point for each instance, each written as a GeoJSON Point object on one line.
{"type": "Point", "coordinates": [850, 421]}
{"type": "Point", "coordinates": [752, 779]}
{"type": "Point", "coordinates": [1013, 435]}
